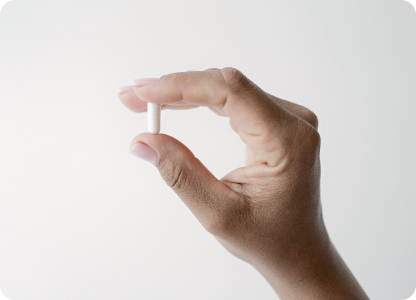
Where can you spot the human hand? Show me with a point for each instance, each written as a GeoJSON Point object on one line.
{"type": "Point", "coordinates": [267, 213]}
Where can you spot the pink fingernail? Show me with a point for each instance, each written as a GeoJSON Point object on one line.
{"type": "Point", "coordinates": [143, 151]}
{"type": "Point", "coordinates": [125, 88]}
{"type": "Point", "coordinates": [143, 81]}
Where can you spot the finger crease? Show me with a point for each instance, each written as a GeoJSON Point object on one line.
{"type": "Point", "coordinates": [177, 178]}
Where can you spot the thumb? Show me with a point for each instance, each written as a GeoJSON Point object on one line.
{"type": "Point", "coordinates": [207, 197]}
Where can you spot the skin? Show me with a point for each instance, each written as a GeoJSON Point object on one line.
{"type": "Point", "coordinates": [267, 213]}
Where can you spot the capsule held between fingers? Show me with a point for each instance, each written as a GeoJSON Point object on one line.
{"type": "Point", "coordinates": [153, 117]}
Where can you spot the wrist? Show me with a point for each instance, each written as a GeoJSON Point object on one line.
{"type": "Point", "coordinates": [314, 270]}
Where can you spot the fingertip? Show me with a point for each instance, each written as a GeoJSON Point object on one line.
{"type": "Point", "coordinates": [143, 151]}
{"type": "Point", "coordinates": [124, 88]}
{"type": "Point", "coordinates": [132, 102]}
{"type": "Point", "coordinates": [143, 81]}
{"type": "Point", "coordinates": [163, 144]}
{"type": "Point", "coordinates": [139, 138]}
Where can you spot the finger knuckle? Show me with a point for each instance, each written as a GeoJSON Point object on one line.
{"type": "Point", "coordinates": [233, 77]}
{"type": "Point", "coordinates": [176, 76]}
{"type": "Point", "coordinates": [315, 140]}
{"type": "Point", "coordinates": [312, 142]}
{"type": "Point", "coordinates": [306, 144]}
{"type": "Point", "coordinates": [173, 174]}
{"type": "Point", "coordinates": [310, 117]}
{"type": "Point", "coordinates": [212, 70]}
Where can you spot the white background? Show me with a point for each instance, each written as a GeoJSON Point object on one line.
{"type": "Point", "coordinates": [80, 218]}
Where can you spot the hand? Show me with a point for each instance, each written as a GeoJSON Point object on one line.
{"type": "Point", "coordinates": [267, 213]}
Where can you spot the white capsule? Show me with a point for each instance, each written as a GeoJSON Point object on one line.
{"type": "Point", "coordinates": [153, 118]}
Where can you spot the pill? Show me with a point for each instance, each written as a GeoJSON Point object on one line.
{"type": "Point", "coordinates": [153, 118]}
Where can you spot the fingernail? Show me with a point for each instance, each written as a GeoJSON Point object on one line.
{"type": "Point", "coordinates": [143, 81]}
{"type": "Point", "coordinates": [125, 88]}
{"type": "Point", "coordinates": [143, 151]}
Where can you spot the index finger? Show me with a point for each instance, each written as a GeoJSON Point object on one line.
{"type": "Point", "coordinates": [261, 123]}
